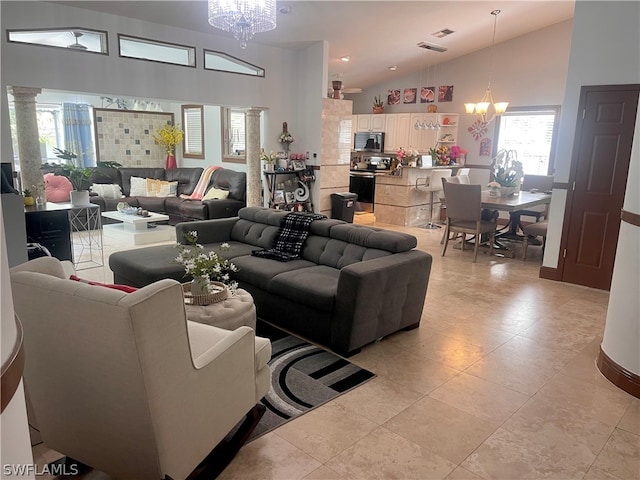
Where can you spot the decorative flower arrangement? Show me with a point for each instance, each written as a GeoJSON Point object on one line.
{"type": "Point", "coordinates": [169, 136]}
{"type": "Point", "coordinates": [285, 137]}
{"type": "Point", "coordinates": [406, 155]}
{"type": "Point", "coordinates": [506, 170]}
{"type": "Point", "coordinates": [205, 266]}
{"type": "Point", "coordinates": [441, 156]}
{"type": "Point", "coordinates": [457, 153]}
{"type": "Point", "coordinates": [268, 157]}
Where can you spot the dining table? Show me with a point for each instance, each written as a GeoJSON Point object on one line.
{"type": "Point", "coordinates": [512, 204]}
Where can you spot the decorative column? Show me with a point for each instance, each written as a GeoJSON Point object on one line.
{"type": "Point", "coordinates": [28, 137]}
{"type": "Point", "coordinates": [254, 175]}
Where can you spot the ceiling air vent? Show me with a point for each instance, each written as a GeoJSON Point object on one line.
{"type": "Point", "coordinates": [432, 46]}
{"type": "Point", "coordinates": [442, 33]}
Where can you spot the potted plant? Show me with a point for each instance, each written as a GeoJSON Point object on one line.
{"type": "Point", "coordinates": [378, 104]}
{"type": "Point", "coordinates": [168, 137]}
{"type": "Point", "coordinates": [80, 178]}
{"type": "Point", "coordinates": [28, 198]}
{"type": "Point", "coordinates": [507, 172]}
{"type": "Point", "coordinates": [268, 159]}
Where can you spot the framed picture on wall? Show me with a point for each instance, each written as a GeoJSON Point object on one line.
{"type": "Point", "coordinates": [410, 95]}
{"type": "Point", "coordinates": [445, 93]}
{"type": "Point", "coordinates": [427, 94]}
{"type": "Point", "coordinates": [393, 97]}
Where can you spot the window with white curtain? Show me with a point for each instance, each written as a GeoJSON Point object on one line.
{"type": "Point", "coordinates": [193, 122]}
{"type": "Point", "coordinates": [233, 135]}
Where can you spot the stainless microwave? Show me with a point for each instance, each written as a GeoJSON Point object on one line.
{"type": "Point", "coordinates": [369, 142]}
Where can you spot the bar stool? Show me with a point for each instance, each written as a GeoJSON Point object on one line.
{"type": "Point", "coordinates": [463, 175]}
{"type": "Point", "coordinates": [433, 184]}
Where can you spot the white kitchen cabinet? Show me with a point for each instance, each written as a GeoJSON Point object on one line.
{"type": "Point", "coordinates": [370, 122]}
{"type": "Point", "coordinates": [397, 131]}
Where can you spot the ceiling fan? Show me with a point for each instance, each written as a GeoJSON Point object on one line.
{"type": "Point", "coordinates": [77, 45]}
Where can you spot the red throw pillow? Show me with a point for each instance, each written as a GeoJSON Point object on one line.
{"type": "Point", "coordinates": [122, 288]}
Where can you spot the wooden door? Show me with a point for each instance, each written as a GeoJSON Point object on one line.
{"type": "Point", "coordinates": [600, 164]}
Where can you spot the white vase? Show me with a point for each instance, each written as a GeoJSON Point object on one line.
{"type": "Point", "coordinates": [268, 167]}
{"type": "Point", "coordinates": [200, 286]}
{"type": "Point", "coordinates": [507, 191]}
{"type": "Point", "coordinates": [79, 198]}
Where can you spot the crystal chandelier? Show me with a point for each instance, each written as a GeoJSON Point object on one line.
{"type": "Point", "coordinates": [243, 18]}
{"type": "Point", "coordinates": [481, 108]}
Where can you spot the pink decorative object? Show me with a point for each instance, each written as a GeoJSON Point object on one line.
{"type": "Point", "coordinates": [57, 188]}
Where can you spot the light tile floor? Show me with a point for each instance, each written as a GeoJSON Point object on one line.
{"type": "Point", "coordinates": [499, 382]}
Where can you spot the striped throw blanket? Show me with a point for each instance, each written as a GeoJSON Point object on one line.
{"type": "Point", "coordinates": [288, 242]}
{"type": "Point", "coordinates": [201, 187]}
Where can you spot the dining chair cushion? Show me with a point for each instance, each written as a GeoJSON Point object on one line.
{"type": "Point", "coordinates": [537, 229]}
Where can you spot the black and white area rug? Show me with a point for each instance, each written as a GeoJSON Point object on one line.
{"type": "Point", "coordinates": [303, 377]}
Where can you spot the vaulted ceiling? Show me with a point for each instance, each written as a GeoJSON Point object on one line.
{"type": "Point", "coordinates": [374, 34]}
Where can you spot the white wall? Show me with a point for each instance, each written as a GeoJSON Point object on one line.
{"type": "Point", "coordinates": [529, 70]}
{"type": "Point", "coordinates": [605, 44]}
{"type": "Point", "coordinates": [65, 70]}
{"type": "Point", "coordinates": [604, 51]}
{"type": "Point", "coordinates": [14, 429]}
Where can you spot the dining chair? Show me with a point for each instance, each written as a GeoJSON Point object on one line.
{"type": "Point", "coordinates": [541, 183]}
{"type": "Point", "coordinates": [537, 229]}
{"type": "Point", "coordinates": [464, 215]}
{"type": "Point", "coordinates": [463, 175]}
{"type": "Point", "coordinates": [433, 185]}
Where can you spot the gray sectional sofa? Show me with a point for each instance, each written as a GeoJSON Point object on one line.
{"type": "Point", "coordinates": [352, 285]}
{"type": "Point", "coordinates": [178, 209]}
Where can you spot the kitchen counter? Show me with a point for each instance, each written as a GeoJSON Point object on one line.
{"type": "Point", "coordinates": [398, 202]}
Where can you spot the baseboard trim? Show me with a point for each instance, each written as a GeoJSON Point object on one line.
{"type": "Point", "coordinates": [549, 273]}
{"type": "Point", "coordinates": [619, 376]}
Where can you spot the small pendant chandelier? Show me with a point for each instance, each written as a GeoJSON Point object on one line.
{"type": "Point", "coordinates": [243, 18]}
{"type": "Point", "coordinates": [481, 108]}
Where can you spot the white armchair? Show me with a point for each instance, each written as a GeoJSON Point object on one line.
{"type": "Point", "coordinates": [123, 382]}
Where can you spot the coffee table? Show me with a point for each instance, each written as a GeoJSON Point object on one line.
{"type": "Point", "coordinates": [233, 312]}
{"type": "Point", "coordinates": [135, 227]}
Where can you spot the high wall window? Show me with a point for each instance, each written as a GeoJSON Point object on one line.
{"type": "Point", "coordinates": [156, 51]}
{"type": "Point", "coordinates": [76, 39]}
{"type": "Point", "coordinates": [233, 135]}
{"type": "Point", "coordinates": [193, 122]}
{"type": "Point", "coordinates": [532, 132]}
{"type": "Point", "coordinates": [223, 62]}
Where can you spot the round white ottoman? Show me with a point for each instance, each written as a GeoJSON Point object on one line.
{"type": "Point", "coordinates": [237, 310]}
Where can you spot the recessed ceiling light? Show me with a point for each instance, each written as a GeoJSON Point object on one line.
{"type": "Point", "coordinates": [393, 68]}
{"type": "Point", "coordinates": [345, 58]}
{"type": "Point", "coordinates": [285, 9]}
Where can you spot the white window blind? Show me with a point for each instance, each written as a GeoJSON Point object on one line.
{"type": "Point", "coordinates": [193, 121]}
{"type": "Point", "coordinates": [531, 133]}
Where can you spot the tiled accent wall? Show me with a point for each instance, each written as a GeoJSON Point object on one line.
{"type": "Point", "coordinates": [124, 136]}
{"type": "Point", "coordinates": [337, 138]}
